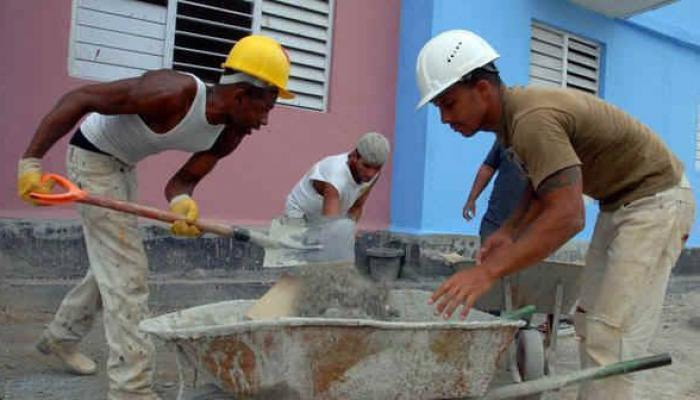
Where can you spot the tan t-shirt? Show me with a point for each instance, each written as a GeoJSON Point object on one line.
{"type": "Point", "coordinates": [548, 129]}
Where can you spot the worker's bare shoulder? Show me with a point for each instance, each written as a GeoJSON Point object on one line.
{"type": "Point", "coordinates": [165, 89]}
{"type": "Point", "coordinates": [166, 82]}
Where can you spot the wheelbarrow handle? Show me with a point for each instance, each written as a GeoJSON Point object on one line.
{"type": "Point", "coordinates": [521, 313]}
{"type": "Point", "coordinates": [75, 194]}
{"type": "Point", "coordinates": [542, 385]}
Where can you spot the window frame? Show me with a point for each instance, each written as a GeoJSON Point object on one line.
{"type": "Point", "coordinates": [317, 100]}
{"type": "Point", "coordinates": [565, 58]}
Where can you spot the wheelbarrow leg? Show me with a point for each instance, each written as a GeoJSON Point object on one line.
{"type": "Point", "coordinates": [180, 359]}
{"type": "Point", "coordinates": [508, 305]}
{"type": "Point", "coordinates": [550, 354]}
{"type": "Point", "coordinates": [183, 360]}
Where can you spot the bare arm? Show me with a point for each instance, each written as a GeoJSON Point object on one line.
{"type": "Point", "coordinates": [560, 218]}
{"type": "Point", "coordinates": [482, 179]}
{"type": "Point", "coordinates": [555, 215]}
{"type": "Point", "coordinates": [200, 164]}
{"type": "Point", "coordinates": [331, 198]}
{"type": "Point", "coordinates": [528, 209]}
{"type": "Point", "coordinates": [146, 95]}
{"type": "Point", "coordinates": [106, 98]}
{"type": "Point", "coordinates": [355, 212]}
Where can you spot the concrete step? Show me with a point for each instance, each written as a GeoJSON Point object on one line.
{"type": "Point", "coordinates": [56, 250]}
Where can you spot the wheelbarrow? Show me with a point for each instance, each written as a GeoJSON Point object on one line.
{"type": "Point", "coordinates": [420, 356]}
{"type": "Point", "coordinates": [551, 286]}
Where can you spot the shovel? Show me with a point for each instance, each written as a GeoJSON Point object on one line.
{"type": "Point", "coordinates": [75, 194]}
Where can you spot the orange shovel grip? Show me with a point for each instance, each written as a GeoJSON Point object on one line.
{"type": "Point", "coordinates": [73, 193]}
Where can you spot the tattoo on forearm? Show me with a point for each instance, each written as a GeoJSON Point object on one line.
{"type": "Point", "coordinates": [518, 218]}
{"type": "Point", "coordinates": [565, 177]}
{"type": "Point", "coordinates": [522, 231]}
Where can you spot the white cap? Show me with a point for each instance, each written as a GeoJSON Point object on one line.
{"type": "Point", "coordinates": [373, 147]}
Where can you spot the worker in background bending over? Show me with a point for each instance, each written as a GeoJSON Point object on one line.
{"type": "Point", "coordinates": [327, 202]}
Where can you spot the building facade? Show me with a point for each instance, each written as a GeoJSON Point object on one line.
{"type": "Point", "coordinates": [645, 64]}
{"type": "Point", "coordinates": [345, 77]}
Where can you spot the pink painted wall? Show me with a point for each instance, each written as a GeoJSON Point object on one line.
{"type": "Point", "coordinates": [249, 186]}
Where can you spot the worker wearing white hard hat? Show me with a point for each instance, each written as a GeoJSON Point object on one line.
{"type": "Point", "coordinates": [568, 143]}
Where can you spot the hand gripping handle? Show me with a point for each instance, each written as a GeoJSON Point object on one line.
{"type": "Point", "coordinates": [72, 194]}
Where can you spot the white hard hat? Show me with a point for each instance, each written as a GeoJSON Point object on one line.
{"type": "Point", "coordinates": [446, 58]}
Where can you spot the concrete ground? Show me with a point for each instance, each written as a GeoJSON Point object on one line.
{"type": "Point", "coordinates": [26, 374]}
{"type": "Point", "coordinates": [678, 334]}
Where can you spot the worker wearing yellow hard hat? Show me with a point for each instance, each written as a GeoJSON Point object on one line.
{"type": "Point", "coordinates": [132, 119]}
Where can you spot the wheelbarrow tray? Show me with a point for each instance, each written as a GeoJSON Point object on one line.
{"type": "Point", "coordinates": [419, 357]}
{"type": "Point", "coordinates": [536, 286]}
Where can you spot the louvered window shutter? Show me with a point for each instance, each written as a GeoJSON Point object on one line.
{"type": "Point", "coordinates": [561, 59]}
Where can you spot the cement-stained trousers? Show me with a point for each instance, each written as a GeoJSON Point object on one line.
{"type": "Point", "coordinates": [116, 279]}
{"type": "Point", "coordinates": [628, 266]}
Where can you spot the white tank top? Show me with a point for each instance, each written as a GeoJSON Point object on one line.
{"type": "Point", "coordinates": [304, 200]}
{"type": "Point", "coordinates": [129, 139]}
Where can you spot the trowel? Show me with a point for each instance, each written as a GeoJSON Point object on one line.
{"type": "Point", "coordinates": [75, 194]}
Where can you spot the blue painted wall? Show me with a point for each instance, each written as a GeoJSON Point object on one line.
{"type": "Point", "coordinates": [407, 187]}
{"type": "Point", "coordinates": [677, 21]}
{"type": "Point", "coordinates": [645, 72]}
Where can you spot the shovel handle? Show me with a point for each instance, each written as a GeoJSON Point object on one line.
{"type": "Point", "coordinates": [72, 193]}
{"type": "Point", "coordinates": [75, 194]}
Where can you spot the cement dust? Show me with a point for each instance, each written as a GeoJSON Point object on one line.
{"type": "Point", "coordinates": [339, 290]}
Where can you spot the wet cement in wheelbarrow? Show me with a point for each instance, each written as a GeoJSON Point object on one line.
{"type": "Point", "coordinates": [337, 290]}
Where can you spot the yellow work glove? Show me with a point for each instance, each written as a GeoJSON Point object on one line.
{"type": "Point", "coordinates": [184, 205]}
{"type": "Point", "coordinates": [29, 179]}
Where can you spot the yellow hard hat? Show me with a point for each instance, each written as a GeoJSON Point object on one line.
{"type": "Point", "coordinates": [263, 58]}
